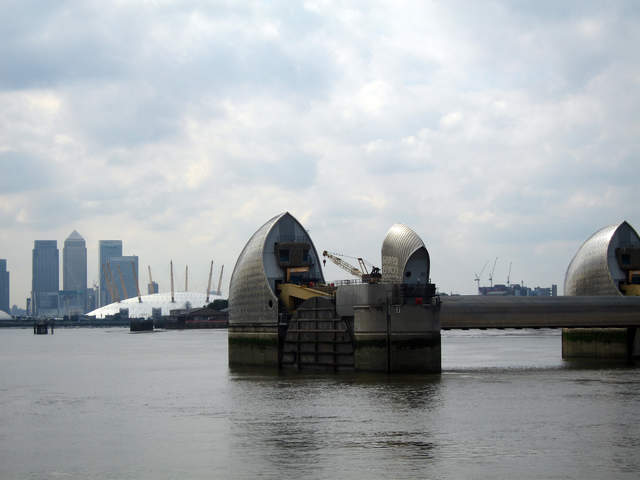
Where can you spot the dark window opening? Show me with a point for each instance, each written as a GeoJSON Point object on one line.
{"type": "Point", "coordinates": [284, 255]}
{"type": "Point", "coordinates": [625, 258]}
{"type": "Point", "coordinates": [298, 277]}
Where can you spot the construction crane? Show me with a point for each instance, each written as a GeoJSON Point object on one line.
{"type": "Point", "coordinates": [477, 276]}
{"type": "Point", "coordinates": [361, 272]}
{"type": "Point", "coordinates": [492, 270]}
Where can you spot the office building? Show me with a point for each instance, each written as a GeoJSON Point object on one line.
{"type": "Point", "coordinates": [74, 279]}
{"type": "Point", "coordinates": [124, 276]}
{"type": "Point", "coordinates": [92, 299]}
{"type": "Point", "coordinates": [152, 288]}
{"type": "Point", "coordinates": [108, 249]}
{"type": "Point", "coordinates": [4, 286]}
{"type": "Point", "coordinates": [45, 281]}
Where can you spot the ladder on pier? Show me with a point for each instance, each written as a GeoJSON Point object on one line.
{"type": "Point", "coordinates": [317, 339]}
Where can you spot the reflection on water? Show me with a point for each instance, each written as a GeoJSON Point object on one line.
{"type": "Point", "coordinates": [105, 404]}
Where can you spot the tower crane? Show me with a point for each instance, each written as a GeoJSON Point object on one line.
{"type": "Point", "coordinates": [362, 272]}
{"type": "Point", "coordinates": [477, 276]}
{"type": "Point", "coordinates": [492, 270]}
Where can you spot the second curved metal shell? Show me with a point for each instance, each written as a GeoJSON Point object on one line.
{"type": "Point", "coordinates": [405, 258]}
{"type": "Point", "coordinates": [594, 269]}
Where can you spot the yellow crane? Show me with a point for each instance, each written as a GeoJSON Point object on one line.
{"type": "Point", "coordinates": [368, 277]}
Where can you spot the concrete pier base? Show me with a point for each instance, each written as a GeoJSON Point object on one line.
{"type": "Point", "coordinates": [254, 345]}
{"type": "Point", "coordinates": [397, 338]}
{"type": "Point", "coordinates": [603, 343]}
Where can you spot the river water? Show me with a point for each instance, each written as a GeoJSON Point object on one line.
{"type": "Point", "coordinates": [107, 404]}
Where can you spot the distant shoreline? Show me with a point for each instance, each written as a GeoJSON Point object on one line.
{"type": "Point", "coordinates": [61, 323]}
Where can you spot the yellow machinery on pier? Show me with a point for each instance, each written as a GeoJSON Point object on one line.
{"type": "Point", "coordinates": [292, 295]}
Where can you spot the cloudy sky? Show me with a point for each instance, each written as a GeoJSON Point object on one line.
{"type": "Point", "coordinates": [493, 129]}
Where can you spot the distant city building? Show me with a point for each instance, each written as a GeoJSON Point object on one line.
{"type": "Point", "coordinates": [108, 249]}
{"type": "Point", "coordinates": [124, 273]}
{"type": "Point", "coordinates": [152, 288]}
{"type": "Point", "coordinates": [4, 286]}
{"type": "Point", "coordinates": [45, 279]}
{"type": "Point", "coordinates": [74, 268]}
{"type": "Point", "coordinates": [518, 290]}
{"type": "Point", "coordinates": [18, 312]}
{"type": "Point", "coordinates": [92, 299]}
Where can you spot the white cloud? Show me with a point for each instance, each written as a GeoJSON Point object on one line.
{"type": "Point", "coordinates": [495, 129]}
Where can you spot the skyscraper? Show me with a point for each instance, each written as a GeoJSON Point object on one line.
{"type": "Point", "coordinates": [108, 249]}
{"type": "Point", "coordinates": [74, 269]}
{"type": "Point", "coordinates": [45, 279]}
{"type": "Point", "coordinates": [152, 287]}
{"type": "Point", "coordinates": [4, 286]}
{"type": "Point", "coordinates": [123, 276]}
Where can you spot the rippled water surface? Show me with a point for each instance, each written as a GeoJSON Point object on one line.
{"type": "Point", "coordinates": [107, 404]}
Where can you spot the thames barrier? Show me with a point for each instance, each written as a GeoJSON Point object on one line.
{"type": "Point", "coordinates": [282, 313]}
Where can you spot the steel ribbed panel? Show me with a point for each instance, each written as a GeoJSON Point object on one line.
{"type": "Point", "coordinates": [249, 290]}
{"type": "Point", "coordinates": [590, 270]}
{"type": "Point", "coordinates": [399, 244]}
{"type": "Point", "coordinates": [251, 297]}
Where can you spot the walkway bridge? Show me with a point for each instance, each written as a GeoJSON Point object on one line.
{"type": "Point", "coordinates": [592, 327]}
{"type": "Point", "coordinates": [475, 311]}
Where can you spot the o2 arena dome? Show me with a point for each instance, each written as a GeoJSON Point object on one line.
{"type": "Point", "coordinates": [4, 315]}
{"type": "Point", "coordinates": [607, 263]}
{"type": "Point", "coordinates": [183, 300]}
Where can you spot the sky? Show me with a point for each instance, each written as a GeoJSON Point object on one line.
{"type": "Point", "coordinates": [493, 129]}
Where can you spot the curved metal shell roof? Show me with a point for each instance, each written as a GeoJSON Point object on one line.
{"type": "Point", "coordinates": [399, 246]}
{"type": "Point", "coordinates": [594, 269]}
{"type": "Point", "coordinates": [252, 297]}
